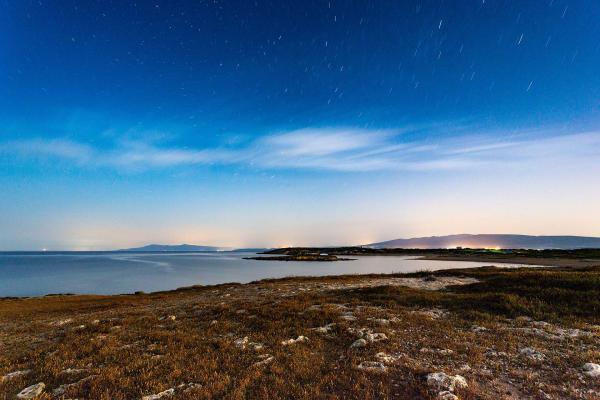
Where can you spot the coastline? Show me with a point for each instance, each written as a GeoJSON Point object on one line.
{"type": "Point", "coordinates": [539, 261]}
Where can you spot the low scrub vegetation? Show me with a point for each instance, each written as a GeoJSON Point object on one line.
{"type": "Point", "coordinates": [509, 333]}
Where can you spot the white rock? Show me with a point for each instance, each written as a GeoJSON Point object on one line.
{"type": "Point", "coordinates": [324, 329]}
{"type": "Point", "coordinates": [168, 318]}
{"type": "Point", "coordinates": [592, 370]}
{"type": "Point", "coordinates": [434, 313]}
{"type": "Point", "coordinates": [442, 381]}
{"type": "Point", "coordinates": [61, 322]}
{"type": "Point", "coordinates": [348, 316]}
{"type": "Point", "coordinates": [241, 343]}
{"type": "Point", "coordinates": [32, 391]}
{"type": "Point", "coordinates": [446, 395]}
{"type": "Point", "coordinates": [166, 393]}
{"type": "Point", "coordinates": [255, 346]}
{"type": "Point", "coordinates": [372, 366]}
{"type": "Point", "coordinates": [541, 324]}
{"type": "Point", "coordinates": [266, 359]}
{"type": "Point", "coordinates": [358, 343]}
{"type": "Point", "coordinates": [385, 358]}
{"type": "Point", "coordinates": [186, 387]}
{"type": "Point", "coordinates": [380, 321]}
{"type": "Point", "coordinates": [15, 374]}
{"type": "Point", "coordinates": [532, 354]}
{"type": "Point", "coordinates": [375, 337]}
{"type": "Point", "coordinates": [299, 339]}
{"type": "Point", "coordinates": [59, 391]}
{"type": "Point", "coordinates": [478, 329]}
{"type": "Point", "coordinates": [72, 371]}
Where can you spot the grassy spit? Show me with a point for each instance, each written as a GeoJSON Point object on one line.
{"type": "Point", "coordinates": [514, 333]}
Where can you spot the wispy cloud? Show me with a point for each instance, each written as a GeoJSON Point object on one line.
{"type": "Point", "coordinates": [336, 149]}
{"type": "Point", "coordinates": [59, 148]}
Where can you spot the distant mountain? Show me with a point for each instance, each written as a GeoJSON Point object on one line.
{"type": "Point", "coordinates": [492, 241]}
{"type": "Point", "coordinates": [177, 247]}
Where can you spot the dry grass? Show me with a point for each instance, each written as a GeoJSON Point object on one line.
{"type": "Point", "coordinates": [130, 352]}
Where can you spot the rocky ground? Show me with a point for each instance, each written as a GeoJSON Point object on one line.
{"type": "Point", "coordinates": [431, 336]}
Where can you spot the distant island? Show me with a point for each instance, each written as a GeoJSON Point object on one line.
{"type": "Point", "coordinates": [172, 248]}
{"type": "Point", "coordinates": [492, 241]}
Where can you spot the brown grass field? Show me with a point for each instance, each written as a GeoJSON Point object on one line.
{"type": "Point", "coordinates": [511, 333]}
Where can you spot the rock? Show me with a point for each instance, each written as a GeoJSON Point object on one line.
{"type": "Point", "coordinates": [299, 339]}
{"type": "Point", "coordinates": [532, 354]}
{"type": "Point", "coordinates": [444, 382]}
{"type": "Point", "coordinates": [59, 391]}
{"type": "Point", "coordinates": [167, 318]}
{"type": "Point", "coordinates": [478, 329]}
{"type": "Point", "coordinates": [358, 343]}
{"type": "Point", "coordinates": [265, 359]}
{"type": "Point", "coordinates": [372, 366]}
{"type": "Point", "coordinates": [380, 321]}
{"type": "Point", "coordinates": [541, 324]}
{"type": "Point", "coordinates": [255, 346]}
{"type": "Point", "coordinates": [72, 371]}
{"type": "Point", "coordinates": [375, 337]}
{"type": "Point", "coordinates": [360, 332]}
{"type": "Point", "coordinates": [385, 358]}
{"type": "Point", "coordinates": [166, 393]}
{"type": "Point", "coordinates": [465, 367]}
{"type": "Point", "coordinates": [61, 322]}
{"type": "Point", "coordinates": [544, 395]}
{"type": "Point", "coordinates": [324, 329]}
{"type": "Point", "coordinates": [241, 343]}
{"type": "Point", "coordinates": [494, 353]}
{"type": "Point", "coordinates": [591, 369]}
{"type": "Point", "coordinates": [446, 395]}
{"type": "Point", "coordinates": [32, 391]}
{"type": "Point", "coordinates": [434, 313]}
{"type": "Point", "coordinates": [15, 374]}
{"type": "Point", "coordinates": [186, 387]}
{"type": "Point", "coordinates": [348, 316]}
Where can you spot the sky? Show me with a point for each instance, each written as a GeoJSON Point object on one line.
{"type": "Point", "coordinates": [275, 123]}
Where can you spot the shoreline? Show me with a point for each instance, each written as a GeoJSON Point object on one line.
{"type": "Point", "coordinates": [541, 261]}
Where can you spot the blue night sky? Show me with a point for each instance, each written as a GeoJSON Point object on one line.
{"type": "Point", "coordinates": [268, 123]}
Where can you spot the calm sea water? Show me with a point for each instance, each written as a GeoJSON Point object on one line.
{"type": "Point", "coordinates": [35, 274]}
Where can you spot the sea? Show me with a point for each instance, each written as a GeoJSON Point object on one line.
{"type": "Point", "coordinates": [43, 273]}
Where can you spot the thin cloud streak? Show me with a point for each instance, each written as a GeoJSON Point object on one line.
{"type": "Point", "coordinates": [334, 149]}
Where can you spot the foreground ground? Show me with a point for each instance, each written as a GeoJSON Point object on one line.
{"type": "Point", "coordinates": [528, 333]}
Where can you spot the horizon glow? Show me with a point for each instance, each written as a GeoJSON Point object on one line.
{"type": "Point", "coordinates": [268, 124]}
